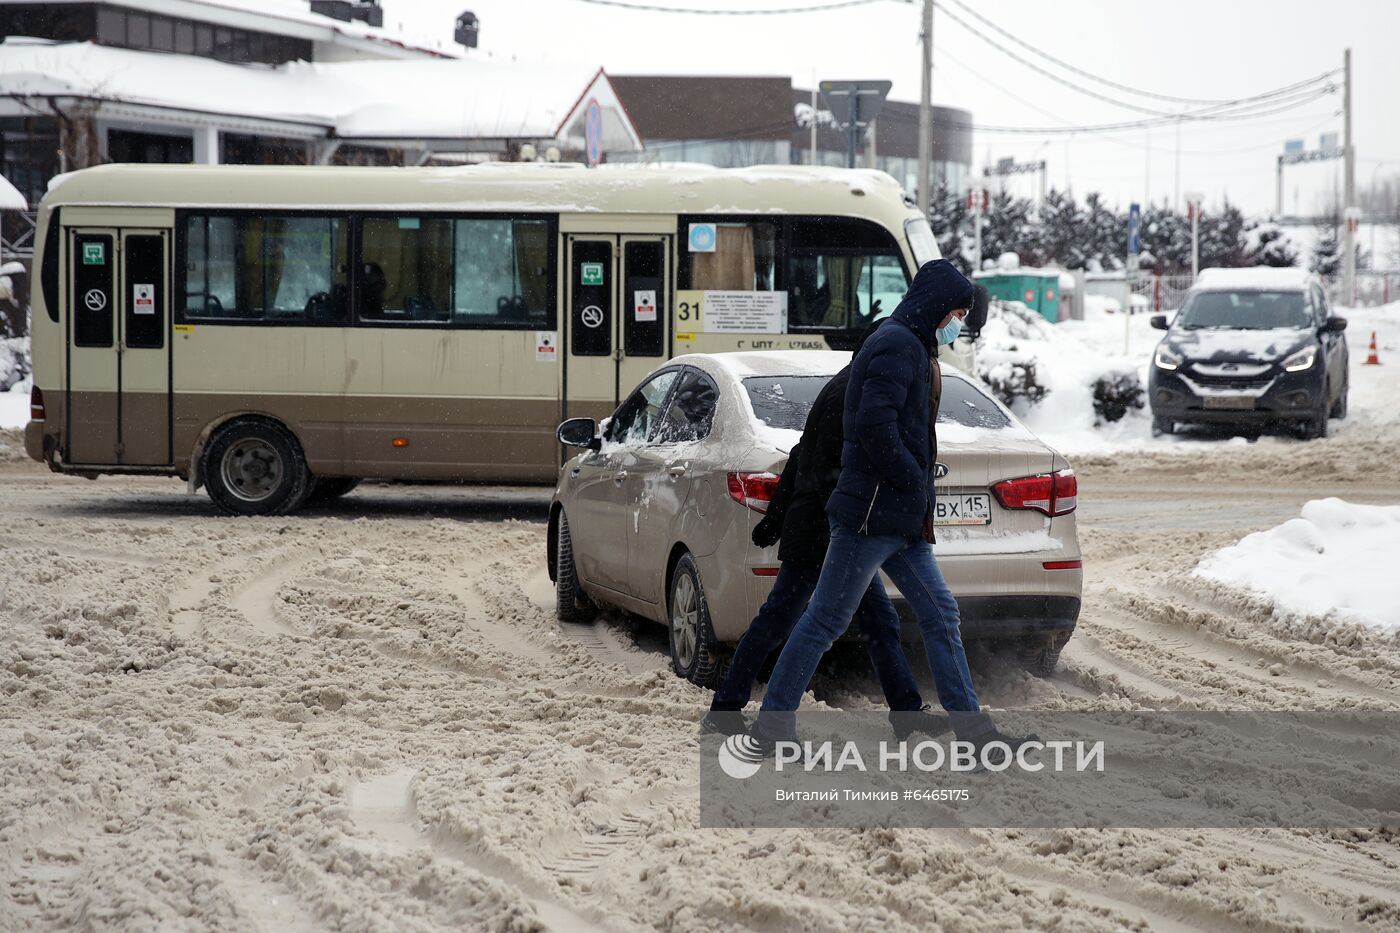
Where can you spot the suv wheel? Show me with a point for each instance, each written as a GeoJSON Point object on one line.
{"type": "Point", "coordinates": [255, 467]}
{"type": "Point", "coordinates": [695, 655]}
{"type": "Point", "coordinates": [1315, 428]}
{"type": "Point", "coordinates": [1163, 426]}
{"type": "Point", "coordinates": [570, 603]}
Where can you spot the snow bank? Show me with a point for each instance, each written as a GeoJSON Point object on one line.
{"type": "Point", "coordinates": [1336, 560]}
{"type": "Point", "coordinates": [14, 382]}
{"type": "Point", "coordinates": [1069, 358]}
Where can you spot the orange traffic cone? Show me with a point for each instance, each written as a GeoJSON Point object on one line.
{"type": "Point", "coordinates": [1373, 360]}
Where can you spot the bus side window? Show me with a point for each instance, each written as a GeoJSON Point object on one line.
{"type": "Point", "coordinates": [288, 269]}
{"type": "Point", "coordinates": [464, 272]}
{"type": "Point", "coordinates": [744, 258]}
{"type": "Point", "coordinates": [843, 274]}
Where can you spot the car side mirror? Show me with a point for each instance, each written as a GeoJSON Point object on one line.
{"type": "Point", "coordinates": [1334, 325]}
{"type": "Point", "coordinates": [1159, 321]}
{"type": "Point", "coordinates": [579, 432]}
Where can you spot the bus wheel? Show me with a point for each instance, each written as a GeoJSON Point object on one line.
{"type": "Point", "coordinates": [330, 487]}
{"type": "Point", "coordinates": [255, 467]}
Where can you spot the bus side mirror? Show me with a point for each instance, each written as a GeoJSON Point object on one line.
{"type": "Point", "coordinates": [1159, 322]}
{"type": "Point", "coordinates": [977, 317]}
{"type": "Point", "coordinates": [580, 432]}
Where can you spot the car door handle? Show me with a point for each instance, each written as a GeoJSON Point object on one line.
{"type": "Point", "coordinates": [619, 477]}
{"type": "Point", "coordinates": [676, 472]}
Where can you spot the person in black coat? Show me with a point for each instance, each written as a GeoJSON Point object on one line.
{"type": "Point", "coordinates": [796, 521]}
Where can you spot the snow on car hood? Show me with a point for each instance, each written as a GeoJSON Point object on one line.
{"type": "Point", "coordinates": [1221, 345]}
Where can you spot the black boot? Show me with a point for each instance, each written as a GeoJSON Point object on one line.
{"type": "Point", "coordinates": [906, 723]}
{"type": "Point", "coordinates": [724, 722]}
{"type": "Point", "coordinates": [998, 757]}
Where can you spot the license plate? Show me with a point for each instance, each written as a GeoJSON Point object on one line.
{"type": "Point", "coordinates": [1232, 402]}
{"type": "Point", "coordinates": [962, 509]}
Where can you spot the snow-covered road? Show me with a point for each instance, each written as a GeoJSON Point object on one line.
{"type": "Point", "coordinates": [365, 717]}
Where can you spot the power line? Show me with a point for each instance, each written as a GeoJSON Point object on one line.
{"type": "Point", "coordinates": [696, 11]}
{"type": "Point", "coordinates": [1244, 102]}
{"type": "Point", "coordinates": [1076, 70]}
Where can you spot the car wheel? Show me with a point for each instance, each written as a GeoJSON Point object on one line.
{"type": "Point", "coordinates": [1163, 426]}
{"type": "Point", "coordinates": [1040, 656]}
{"type": "Point", "coordinates": [1339, 410]}
{"type": "Point", "coordinates": [331, 487]}
{"type": "Point", "coordinates": [570, 603]}
{"type": "Point", "coordinates": [695, 655]}
{"type": "Point", "coordinates": [255, 467]}
{"type": "Point", "coordinates": [1315, 428]}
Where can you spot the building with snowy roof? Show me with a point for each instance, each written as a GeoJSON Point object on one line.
{"type": "Point", "coordinates": [271, 82]}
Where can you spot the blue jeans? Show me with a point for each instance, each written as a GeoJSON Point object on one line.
{"type": "Point", "coordinates": [792, 588]}
{"type": "Point", "coordinates": [852, 561]}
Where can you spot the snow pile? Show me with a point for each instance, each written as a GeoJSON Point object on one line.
{"type": "Point", "coordinates": [1060, 364]}
{"type": "Point", "coordinates": [1336, 560]}
{"type": "Point", "coordinates": [14, 382]}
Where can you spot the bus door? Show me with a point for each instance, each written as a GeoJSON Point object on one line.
{"type": "Point", "coordinates": [618, 301]}
{"type": "Point", "coordinates": [118, 388]}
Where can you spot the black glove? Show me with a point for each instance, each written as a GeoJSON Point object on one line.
{"type": "Point", "coordinates": [767, 532]}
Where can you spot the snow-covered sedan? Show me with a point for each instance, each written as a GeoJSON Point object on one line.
{"type": "Point", "coordinates": [654, 516]}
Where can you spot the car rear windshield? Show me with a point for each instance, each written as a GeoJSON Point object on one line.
{"type": "Point", "coordinates": [1244, 310]}
{"type": "Point", "coordinates": [784, 401]}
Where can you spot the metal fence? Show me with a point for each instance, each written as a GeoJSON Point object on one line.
{"type": "Point", "coordinates": [1165, 292]}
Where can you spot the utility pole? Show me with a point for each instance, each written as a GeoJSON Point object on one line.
{"type": "Point", "coordinates": [812, 154]}
{"type": "Point", "coordinates": [1193, 207]}
{"type": "Point", "coordinates": [1349, 158]}
{"type": "Point", "coordinates": [924, 192]}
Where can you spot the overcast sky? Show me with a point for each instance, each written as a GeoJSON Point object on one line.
{"type": "Point", "coordinates": [1189, 48]}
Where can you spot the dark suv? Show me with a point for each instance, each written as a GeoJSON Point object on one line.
{"type": "Point", "coordinates": [1251, 347]}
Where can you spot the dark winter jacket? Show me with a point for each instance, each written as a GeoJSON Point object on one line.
{"type": "Point", "coordinates": [886, 481]}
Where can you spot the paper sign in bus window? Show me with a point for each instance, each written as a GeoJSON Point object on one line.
{"type": "Point", "coordinates": [143, 299]}
{"type": "Point", "coordinates": [644, 303]}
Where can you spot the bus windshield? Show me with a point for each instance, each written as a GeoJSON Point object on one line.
{"type": "Point", "coordinates": [921, 240]}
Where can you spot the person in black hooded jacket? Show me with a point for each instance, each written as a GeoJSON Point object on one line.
{"type": "Point", "coordinates": [880, 510]}
{"type": "Point", "coordinates": [796, 521]}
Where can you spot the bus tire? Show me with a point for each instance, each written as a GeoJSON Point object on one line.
{"type": "Point", "coordinates": [253, 466]}
{"type": "Point", "coordinates": [324, 489]}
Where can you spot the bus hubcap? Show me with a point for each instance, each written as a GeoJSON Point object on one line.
{"type": "Point", "coordinates": [252, 469]}
{"type": "Point", "coordinates": [685, 620]}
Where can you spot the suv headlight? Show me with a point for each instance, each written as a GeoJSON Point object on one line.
{"type": "Point", "coordinates": [1166, 359]}
{"type": "Point", "coordinates": [1301, 360]}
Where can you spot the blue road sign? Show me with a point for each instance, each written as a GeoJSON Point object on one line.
{"type": "Point", "coordinates": [593, 132]}
{"type": "Point", "coordinates": [1134, 229]}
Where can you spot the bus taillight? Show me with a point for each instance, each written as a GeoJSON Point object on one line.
{"type": "Point", "coordinates": [36, 404]}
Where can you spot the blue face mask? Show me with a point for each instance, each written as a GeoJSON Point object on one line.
{"type": "Point", "coordinates": [949, 333]}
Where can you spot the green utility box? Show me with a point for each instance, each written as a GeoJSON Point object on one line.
{"type": "Point", "coordinates": [1037, 290]}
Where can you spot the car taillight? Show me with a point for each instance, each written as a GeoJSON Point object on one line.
{"type": "Point", "coordinates": [36, 404]}
{"type": "Point", "coordinates": [754, 490]}
{"type": "Point", "coordinates": [1049, 493]}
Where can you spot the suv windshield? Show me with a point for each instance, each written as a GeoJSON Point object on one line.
{"type": "Point", "coordinates": [1244, 310]}
{"type": "Point", "coordinates": [784, 401]}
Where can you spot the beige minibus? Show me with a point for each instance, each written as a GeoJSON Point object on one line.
{"type": "Point", "coordinates": [276, 333]}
